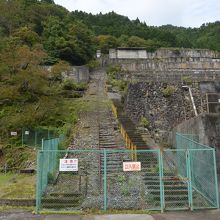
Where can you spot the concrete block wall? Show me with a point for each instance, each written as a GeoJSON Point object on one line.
{"type": "Point", "coordinates": [164, 53]}
{"type": "Point", "coordinates": [76, 73]}
{"type": "Point", "coordinates": [139, 60]}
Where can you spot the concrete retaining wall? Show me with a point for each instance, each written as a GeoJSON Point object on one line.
{"type": "Point", "coordinates": [76, 73]}
{"type": "Point", "coordinates": [206, 127]}
{"type": "Point", "coordinates": [165, 60]}
{"type": "Point", "coordinates": [135, 65]}
{"type": "Point", "coordinates": [167, 76]}
{"type": "Point", "coordinates": [135, 53]}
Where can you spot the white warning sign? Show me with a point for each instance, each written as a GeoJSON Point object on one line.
{"type": "Point", "coordinates": [131, 166]}
{"type": "Point", "coordinates": [69, 164]}
{"type": "Point", "coordinates": [14, 133]}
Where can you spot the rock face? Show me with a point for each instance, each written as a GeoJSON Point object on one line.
{"type": "Point", "coordinates": [164, 105]}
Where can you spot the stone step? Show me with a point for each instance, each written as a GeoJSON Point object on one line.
{"type": "Point", "coordinates": [171, 192]}
{"type": "Point", "coordinates": [60, 205]}
{"type": "Point", "coordinates": [64, 194]}
{"type": "Point", "coordinates": [66, 200]}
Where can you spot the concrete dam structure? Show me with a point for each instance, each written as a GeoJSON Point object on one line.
{"type": "Point", "coordinates": [167, 64]}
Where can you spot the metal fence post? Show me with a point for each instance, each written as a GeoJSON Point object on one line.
{"type": "Point", "coordinates": [39, 182]}
{"type": "Point", "coordinates": [42, 144]}
{"type": "Point", "coordinates": [162, 203]}
{"type": "Point", "coordinates": [22, 137]}
{"type": "Point", "coordinates": [189, 176]}
{"type": "Point", "coordinates": [216, 179]}
{"type": "Point", "coordinates": [35, 138]}
{"type": "Point", "coordinates": [105, 181]}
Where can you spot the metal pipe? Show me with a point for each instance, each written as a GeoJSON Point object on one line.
{"type": "Point", "coordinates": [192, 99]}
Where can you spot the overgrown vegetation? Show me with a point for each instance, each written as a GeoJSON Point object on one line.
{"type": "Point", "coordinates": [144, 122]}
{"type": "Point", "coordinates": [16, 158]}
{"type": "Point", "coordinates": [93, 64]}
{"type": "Point", "coordinates": [32, 96]}
{"type": "Point", "coordinates": [114, 78]}
{"type": "Point", "coordinates": [113, 71]}
{"type": "Point", "coordinates": [168, 91]}
{"type": "Point", "coordinates": [187, 80]}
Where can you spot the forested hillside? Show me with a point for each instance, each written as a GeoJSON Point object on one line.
{"type": "Point", "coordinates": [75, 36]}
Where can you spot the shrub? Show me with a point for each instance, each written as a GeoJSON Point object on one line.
{"type": "Point", "coordinates": [168, 91]}
{"type": "Point", "coordinates": [120, 84]}
{"type": "Point", "coordinates": [93, 64]}
{"type": "Point", "coordinates": [113, 70]}
{"type": "Point", "coordinates": [50, 178]}
{"type": "Point", "coordinates": [144, 122]}
{"type": "Point", "coordinates": [187, 80]}
{"type": "Point", "coordinates": [71, 85]}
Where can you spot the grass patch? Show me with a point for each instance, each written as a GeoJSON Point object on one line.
{"type": "Point", "coordinates": [17, 186]}
{"type": "Point", "coordinates": [20, 208]}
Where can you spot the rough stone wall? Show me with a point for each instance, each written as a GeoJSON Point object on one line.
{"type": "Point", "coordinates": [164, 113]}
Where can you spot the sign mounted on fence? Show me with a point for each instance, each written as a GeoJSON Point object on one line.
{"type": "Point", "coordinates": [69, 164]}
{"type": "Point", "coordinates": [14, 133]}
{"type": "Point", "coordinates": [131, 166]}
{"type": "Point", "coordinates": [27, 132]}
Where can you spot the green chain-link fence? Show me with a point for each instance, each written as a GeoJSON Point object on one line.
{"type": "Point", "coordinates": [71, 180]}
{"type": "Point", "coordinates": [201, 171]}
{"type": "Point", "coordinates": [33, 137]}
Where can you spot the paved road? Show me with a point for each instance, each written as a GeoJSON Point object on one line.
{"type": "Point", "coordinates": [180, 215]}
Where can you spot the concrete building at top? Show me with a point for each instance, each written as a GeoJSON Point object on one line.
{"type": "Point", "coordinates": [129, 53]}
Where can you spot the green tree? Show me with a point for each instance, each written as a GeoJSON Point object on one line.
{"type": "Point", "coordinates": [106, 42]}
{"type": "Point", "coordinates": [135, 41]}
{"type": "Point", "coordinates": [10, 15]}
{"type": "Point", "coordinates": [73, 43]}
{"type": "Point", "coordinates": [26, 36]}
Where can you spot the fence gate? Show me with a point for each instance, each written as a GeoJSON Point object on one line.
{"type": "Point", "coordinates": [176, 180]}
{"type": "Point", "coordinates": [71, 180]}
{"type": "Point", "coordinates": [133, 184]}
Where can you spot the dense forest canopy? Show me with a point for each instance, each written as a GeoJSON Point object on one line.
{"type": "Point", "coordinates": [75, 36]}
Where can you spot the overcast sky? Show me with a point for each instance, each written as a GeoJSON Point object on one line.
{"type": "Point", "coordinates": [187, 13]}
